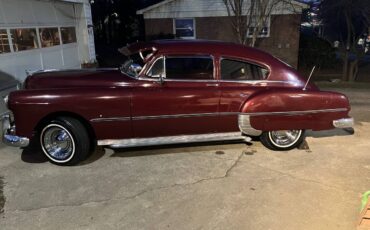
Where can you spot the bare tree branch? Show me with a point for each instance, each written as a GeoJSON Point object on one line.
{"type": "Point", "coordinates": [250, 17]}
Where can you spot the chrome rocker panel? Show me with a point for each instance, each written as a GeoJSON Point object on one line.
{"type": "Point", "coordinates": [8, 134]}
{"type": "Point", "coordinates": [137, 142]}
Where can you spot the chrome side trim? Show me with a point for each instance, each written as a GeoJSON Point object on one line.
{"type": "Point", "coordinates": [136, 142]}
{"type": "Point", "coordinates": [103, 119]}
{"type": "Point", "coordinates": [253, 82]}
{"type": "Point", "coordinates": [344, 123]}
{"type": "Point", "coordinates": [33, 72]}
{"type": "Point", "coordinates": [297, 112]}
{"type": "Point", "coordinates": [174, 116]}
{"type": "Point", "coordinates": [246, 127]}
{"type": "Point", "coordinates": [139, 118]}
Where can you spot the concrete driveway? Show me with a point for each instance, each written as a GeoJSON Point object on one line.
{"type": "Point", "coordinates": [210, 186]}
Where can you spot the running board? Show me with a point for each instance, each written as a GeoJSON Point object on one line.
{"type": "Point", "coordinates": [136, 142]}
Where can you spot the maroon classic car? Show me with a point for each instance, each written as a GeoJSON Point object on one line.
{"type": "Point", "coordinates": [170, 92]}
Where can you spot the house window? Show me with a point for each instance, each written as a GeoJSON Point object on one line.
{"type": "Point", "coordinates": [68, 34]}
{"type": "Point", "coordinates": [234, 70]}
{"type": "Point", "coordinates": [264, 31]}
{"type": "Point", "coordinates": [49, 37]}
{"type": "Point", "coordinates": [4, 42]}
{"type": "Point", "coordinates": [24, 39]}
{"type": "Point", "coordinates": [184, 28]}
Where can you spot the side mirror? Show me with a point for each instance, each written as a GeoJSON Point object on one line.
{"type": "Point", "coordinates": [159, 77]}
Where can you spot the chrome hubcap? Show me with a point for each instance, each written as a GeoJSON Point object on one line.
{"type": "Point", "coordinates": [57, 143]}
{"type": "Point", "coordinates": [285, 138]}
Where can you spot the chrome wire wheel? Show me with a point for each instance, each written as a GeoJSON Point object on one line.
{"type": "Point", "coordinates": [284, 138]}
{"type": "Point", "coordinates": [57, 143]}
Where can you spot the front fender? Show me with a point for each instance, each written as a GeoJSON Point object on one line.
{"type": "Point", "coordinates": [32, 106]}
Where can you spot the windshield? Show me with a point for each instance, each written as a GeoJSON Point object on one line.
{"type": "Point", "coordinates": [134, 63]}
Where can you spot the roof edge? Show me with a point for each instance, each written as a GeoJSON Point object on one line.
{"type": "Point", "coordinates": [142, 11]}
{"type": "Point", "coordinates": [301, 4]}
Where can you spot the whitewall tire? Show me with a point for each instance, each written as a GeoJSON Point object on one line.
{"type": "Point", "coordinates": [283, 139]}
{"type": "Point", "coordinates": [64, 141]}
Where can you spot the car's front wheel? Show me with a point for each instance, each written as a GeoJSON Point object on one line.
{"type": "Point", "coordinates": [65, 141]}
{"type": "Point", "coordinates": [283, 139]}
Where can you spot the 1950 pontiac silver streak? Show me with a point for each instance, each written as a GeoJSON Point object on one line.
{"type": "Point", "coordinates": [170, 92]}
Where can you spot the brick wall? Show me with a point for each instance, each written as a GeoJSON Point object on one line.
{"type": "Point", "coordinates": [284, 38]}
{"type": "Point", "coordinates": [283, 41]}
{"type": "Point", "coordinates": [154, 27]}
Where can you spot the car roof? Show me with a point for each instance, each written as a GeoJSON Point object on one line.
{"type": "Point", "coordinates": [185, 46]}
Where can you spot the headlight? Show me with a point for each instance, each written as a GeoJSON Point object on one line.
{"type": "Point", "coordinates": [6, 100]}
{"type": "Point", "coordinates": [20, 85]}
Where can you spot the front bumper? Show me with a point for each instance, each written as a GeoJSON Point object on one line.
{"type": "Point", "coordinates": [344, 123]}
{"type": "Point", "coordinates": [8, 134]}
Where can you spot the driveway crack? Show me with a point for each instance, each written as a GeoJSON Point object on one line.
{"type": "Point", "coordinates": [2, 197]}
{"type": "Point", "coordinates": [126, 198]}
{"type": "Point", "coordinates": [304, 179]}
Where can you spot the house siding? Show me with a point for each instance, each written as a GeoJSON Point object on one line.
{"type": "Point", "coordinates": [284, 38]}
{"type": "Point", "coordinates": [283, 41]}
{"type": "Point", "coordinates": [207, 8]}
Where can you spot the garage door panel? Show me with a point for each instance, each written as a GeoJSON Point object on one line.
{"type": "Point", "coordinates": [44, 13]}
{"type": "Point", "coordinates": [27, 60]}
{"type": "Point", "coordinates": [65, 13]}
{"type": "Point", "coordinates": [16, 15]}
{"type": "Point", "coordinates": [70, 55]}
{"type": "Point", "coordinates": [2, 19]}
{"type": "Point", "coordinates": [45, 16]}
{"type": "Point", "coordinates": [7, 65]}
{"type": "Point", "coordinates": [52, 58]}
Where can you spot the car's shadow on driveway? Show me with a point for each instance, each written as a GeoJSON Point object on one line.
{"type": "Point", "coordinates": [330, 133]}
{"type": "Point", "coordinates": [31, 154]}
{"type": "Point", "coordinates": [176, 148]}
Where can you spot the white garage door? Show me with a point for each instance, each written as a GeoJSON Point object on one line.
{"type": "Point", "coordinates": [37, 35]}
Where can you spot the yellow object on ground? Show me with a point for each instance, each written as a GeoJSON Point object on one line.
{"type": "Point", "coordinates": [364, 223]}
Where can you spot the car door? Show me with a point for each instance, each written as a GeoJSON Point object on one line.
{"type": "Point", "coordinates": [178, 95]}
{"type": "Point", "coordinates": [239, 79]}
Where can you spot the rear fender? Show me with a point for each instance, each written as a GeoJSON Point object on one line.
{"type": "Point", "coordinates": [282, 109]}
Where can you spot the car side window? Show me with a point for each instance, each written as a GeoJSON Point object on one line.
{"type": "Point", "coordinates": [157, 69]}
{"type": "Point", "coordinates": [189, 68]}
{"type": "Point", "coordinates": [236, 70]}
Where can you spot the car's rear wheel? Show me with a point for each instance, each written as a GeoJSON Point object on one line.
{"type": "Point", "coordinates": [283, 139]}
{"type": "Point", "coordinates": [65, 141]}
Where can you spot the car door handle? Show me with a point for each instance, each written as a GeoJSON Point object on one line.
{"type": "Point", "coordinates": [212, 84]}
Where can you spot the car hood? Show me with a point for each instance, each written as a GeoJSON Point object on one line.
{"type": "Point", "coordinates": [77, 78]}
